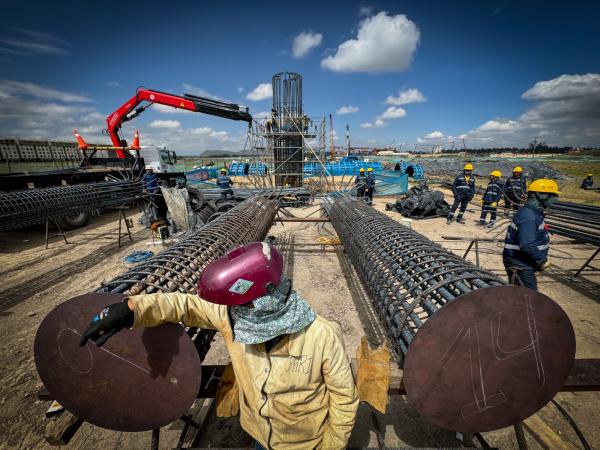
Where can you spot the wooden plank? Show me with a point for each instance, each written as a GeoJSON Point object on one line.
{"type": "Point", "coordinates": [545, 435]}
{"type": "Point", "coordinates": [61, 430]}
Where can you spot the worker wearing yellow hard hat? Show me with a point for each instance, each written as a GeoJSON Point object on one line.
{"type": "Point", "coordinates": [490, 199]}
{"type": "Point", "coordinates": [515, 190]}
{"type": "Point", "coordinates": [587, 183]}
{"type": "Point", "coordinates": [360, 183]}
{"type": "Point", "coordinates": [527, 241]}
{"type": "Point", "coordinates": [463, 189]}
{"type": "Point", "coordinates": [370, 185]}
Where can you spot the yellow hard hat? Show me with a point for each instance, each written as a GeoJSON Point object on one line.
{"type": "Point", "coordinates": [518, 169]}
{"type": "Point", "coordinates": [496, 173]}
{"type": "Point", "coordinates": [361, 169]}
{"type": "Point", "coordinates": [370, 169]}
{"type": "Point", "coordinates": [589, 174]}
{"type": "Point", "coordinates": [544, 185]}
{"type": "Point", "coordinates": [468, 166]}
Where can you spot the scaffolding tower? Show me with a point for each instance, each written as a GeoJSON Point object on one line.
{"type": "Point", "coordinates": [287, 137]}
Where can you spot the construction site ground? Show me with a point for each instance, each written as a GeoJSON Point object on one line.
{"type": "Point", "coordinates": [34, 280]}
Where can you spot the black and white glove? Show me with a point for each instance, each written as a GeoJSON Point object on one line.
{"type": "Point", "coordinates": [112, 318]}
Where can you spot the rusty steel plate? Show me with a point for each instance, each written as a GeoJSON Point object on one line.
{"type": "Point", "coordinates": [489, 359]}
{"type": "Point", "coordinates": [141, 379]}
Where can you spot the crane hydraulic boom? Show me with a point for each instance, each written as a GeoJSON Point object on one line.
{"type": "Point", "coordinates": [129, 110]}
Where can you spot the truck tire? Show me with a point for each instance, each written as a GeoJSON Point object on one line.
{"type": "Point", "coordinates": [76, 220]}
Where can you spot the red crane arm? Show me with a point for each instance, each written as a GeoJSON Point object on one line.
{"type": "Point", "coordinates": [128, 110]}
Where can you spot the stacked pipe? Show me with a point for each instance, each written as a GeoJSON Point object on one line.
{"type": "Point", "coordinates": [408, 277]}
{"type": "Point", "coordinates": [24, 208]}
{"type": "Point", "coordinates": [575, 221]}
{"type": "Point", "coordinates": [178, 267]}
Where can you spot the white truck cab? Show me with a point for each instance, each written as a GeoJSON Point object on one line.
{"type": "Point", "coordinates": [158, 159]}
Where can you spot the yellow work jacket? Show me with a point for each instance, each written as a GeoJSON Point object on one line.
{"type": "Point", "coordinates": [300, 395]}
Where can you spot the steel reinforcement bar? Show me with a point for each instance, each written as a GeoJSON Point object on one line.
{"type": "Point", "coordinates": [408, 277]}
{"type": "Point", "coordinates": [24, 208]}
{"type": "Point", "coordinates": [178, 267]}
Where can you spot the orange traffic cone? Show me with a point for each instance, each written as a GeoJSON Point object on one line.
{"type": "Point", "coordinates": [136, 141]}
{"type": "Point", "coordinates": [80, 142]}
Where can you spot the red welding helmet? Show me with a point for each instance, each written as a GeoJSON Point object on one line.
{"type": "Point", "coordinates": [242, 275]}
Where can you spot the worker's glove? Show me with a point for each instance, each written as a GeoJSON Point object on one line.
{"type": "Point", "coordinates": [494, 204]}
{"type": "Point", "coordinates": [111, 319]}
{"type": "Point", "coordinates": [543, 266]}
{"type": "Point", "coordinates": [481, 201]}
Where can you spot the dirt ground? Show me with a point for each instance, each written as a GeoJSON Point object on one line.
{"type": "Point", "coordinates": [34, 280]}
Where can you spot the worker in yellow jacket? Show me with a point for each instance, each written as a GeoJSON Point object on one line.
{"type": "Point", "coordinates": [296, 385]}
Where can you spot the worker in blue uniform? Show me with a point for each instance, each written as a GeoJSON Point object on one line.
{"type": "Point", "coordinates": [463, 189]}
{"type": "Point", "coordinates": [370, 185]}
{"type": "Point", "coordinates": [360, 183]}
{"type": "Point", "coordinates": [490, 199]}
{"type": "Point", "coordinates": [150, 181]}
{"type": "Point", "coordinates": [515, 190]}
{"type": "Point", "coordinates": [527, 241]}
{"type": "Point", "coordinates": [224, 182]}
{"type": "Point", "coordinates": [588, 182]}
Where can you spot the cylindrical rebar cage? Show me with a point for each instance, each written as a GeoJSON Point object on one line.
{"type": "Point", "coordinates": [288, 125]}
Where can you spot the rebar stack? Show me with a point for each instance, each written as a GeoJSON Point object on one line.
{"type": "Point", "coordinates": [178, 267]}
{"type": "Point", "coordinates": [24, 208]}
{"type": "Point", "coordinates": [409, 278]}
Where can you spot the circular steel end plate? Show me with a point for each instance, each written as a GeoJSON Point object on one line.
{"type": "Point", "coordinates": [139, 380]}
{"type": "Point", "coordinates": [489, 359]}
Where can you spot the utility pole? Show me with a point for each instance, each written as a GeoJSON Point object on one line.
{"type": "Point", "coordinates": [331, 146]}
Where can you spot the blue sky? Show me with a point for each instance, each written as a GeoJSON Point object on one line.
{"type": "Point", "coordinates": [491, 73]}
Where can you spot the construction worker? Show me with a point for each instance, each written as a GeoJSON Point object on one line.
{"type": "Point", "coordinates": [150, 181]}
{"type": "Point", "coordinates": [296, 388]}
{"type": "Point", "coordinates": [224, 182]}
{"type": "Point", "coordinates": [463, 189]}
{"type": "Point", "coordinates": [515, 190]}
{"type": "Point", "coordinates": [360, 182]}
{"type": "Point", "coordinates": [588, 182]}
{"type": "Point", "coordinates": [527, 240]}
{"type": "Point", "coordinates": [370, 185]}
{"type": "Point", "coordinates": [490, 199]}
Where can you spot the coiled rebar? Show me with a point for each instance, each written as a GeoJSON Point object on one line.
{"type": "Point", "coordinates": [408, 277]}
{"type": "Point", "coordinates": [24, 208]}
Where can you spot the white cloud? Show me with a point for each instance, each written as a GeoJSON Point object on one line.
{"type": "Point", "coordinates": [565, 87]}
{"type": "Point", "coordinates": [305, 42]}
{"type": "Point", "coordinates": [383, 44]}
{"type": "Point", "coordinates": [260, 92]}
{"type": "Point", "coordinates": [25, 88]}
{"type": "Point", "coordinates": [566, 112]}
{"type": "Point", "coordinates": [240, 89]}
{"type": "Point", "coordinates": [365, 10]}
{"type": "Point", "coordinates": [261, 115]}
{"type": "Point", "coordinates": [26, 117]}
{"type": "Point", "coordinates": [347, 110]}
{"type": "Point", "coordinates": [378, 123]}
{"type": "Point", "coordinates": [405, 97]}
{"type": "Point", "coordinates": [166, 124]}
{"type": "Point", "coordinates": [499, 125]}
{"type": "Point", "coordinates": [113, 84]}
{"type": "Point", "coordinates": [434, 135]}
{"type": "Point", "coordinates": [32, 43]}
{"type": "Point", "coordinates": [393, 112]}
